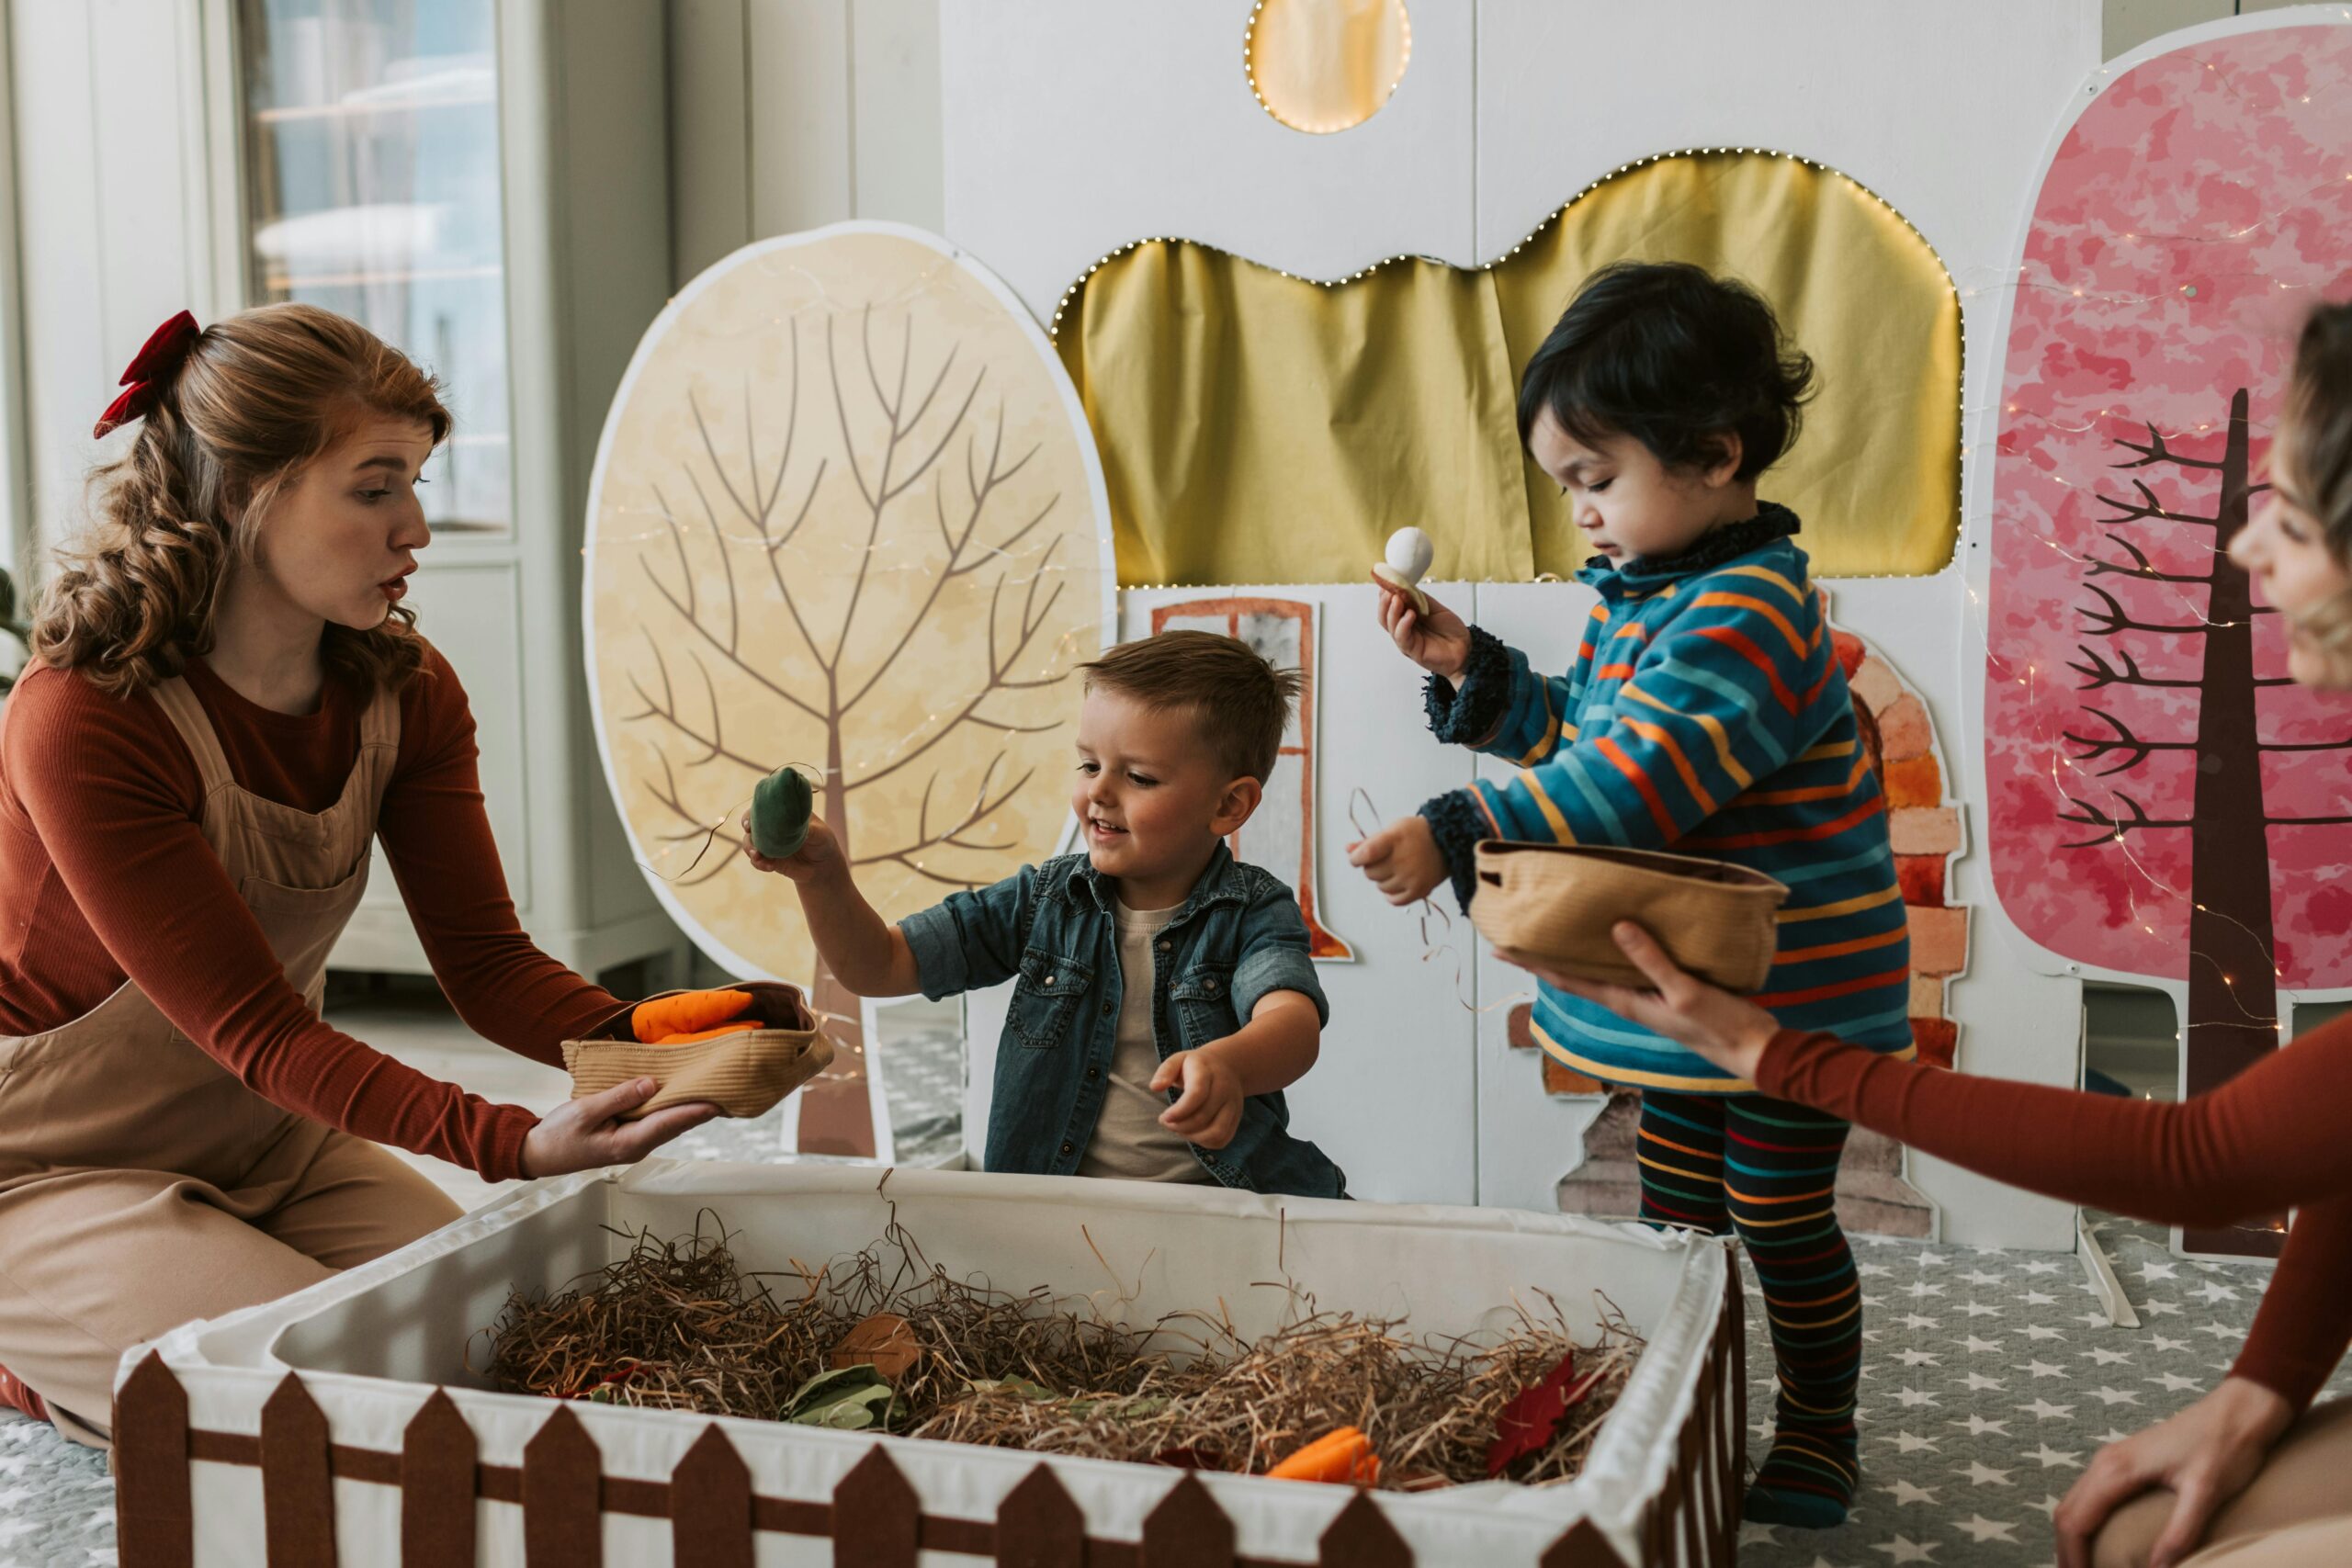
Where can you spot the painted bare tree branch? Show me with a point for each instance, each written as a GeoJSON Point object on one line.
{"type": "Point", "coordinates": [737, 520]}
{"type": "Point", "coordinates": [2232, 998]}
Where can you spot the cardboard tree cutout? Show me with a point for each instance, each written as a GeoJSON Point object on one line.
{"type": "Point", "coordinates": [2162, 798]}
{"type": "Point", "coordinates": [845, 516]}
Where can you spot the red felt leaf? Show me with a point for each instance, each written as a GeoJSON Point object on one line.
{"type": "Point", "coordinates": [1532, 1419]}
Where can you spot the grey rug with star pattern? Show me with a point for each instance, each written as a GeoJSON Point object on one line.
{"type": "Point", "coordinates": [1991, 1380]}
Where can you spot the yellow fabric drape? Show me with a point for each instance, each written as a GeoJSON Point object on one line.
{"type": "Point", "coordinates": [1258, 428]}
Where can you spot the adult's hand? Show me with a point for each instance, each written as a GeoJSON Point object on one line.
{"type": "Point", "coordinates": [1728, 1030]}
{"type": "Point", "coordinates": [2204, 1456]}
{"type": "Point", "coordinates": [585, 1134]}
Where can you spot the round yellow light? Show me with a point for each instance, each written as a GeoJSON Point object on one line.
{"type": "Point", "coordinates": [1325, 65]}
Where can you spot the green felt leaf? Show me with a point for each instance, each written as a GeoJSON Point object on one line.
{"type": "Point", "coordinates": [847, 1399]}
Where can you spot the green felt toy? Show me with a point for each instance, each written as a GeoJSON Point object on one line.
{"type": "Point", "coordinates": [780, 809]}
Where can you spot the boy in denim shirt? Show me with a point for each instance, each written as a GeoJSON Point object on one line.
{"type": "Point", "coordinates": [1164, 997]}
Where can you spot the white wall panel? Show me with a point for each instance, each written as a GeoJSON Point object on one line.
{"type": "Point", "coordinates": [1073, 128]}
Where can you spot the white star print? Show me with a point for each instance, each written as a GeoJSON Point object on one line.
{"type": "Point", "coordinates": [1977, 1426]}
{"type": "Point", "coordinates": [1978, 1347]}
{"type": "Point", "coordinates": [1928, 1257]}
{"type": "Point", "coordinates": [2214, 1291]}
{"type": "Point", "coordinates": [2042, 1266]}
{"type": "Point", "coordinates": [2096, 1320]}
{"type": "Point", "coordinates": [1917, 1359]}
{"type": "Point", "coordinates": [2162, 1344]}
{"type": "Point", "coordinates": [2039, 1299]}
{"type": "Point", "coordinates": [1916, 1320]}
{"type": "Point", "coordinates": [1982, 1529]}
{"type": "Point", "coordinates": [1923, 1288]}
{"type": "Point", "coordinates": [2049, 1456]}
{"type": "Point", "coordinates": [1911, 1398]}
{"type": "Point", "coordinates": [2042, 1370]}
{"type": "Point", "coordinates": [2048, 1505]}
{"type": "Point", "coordinates": [2113, 1436]}
{"type": "Point", "coordinates": [2162, 1309]}
{"type": "Point", "coordinates": [1752, 1534]}
{"type": "Point", "coordinates": [2154, 1270]}
{"type": "Point", "coordinates": [1978, 1277]}
{"type": "Point", "coordinates": [1978, 1309]}
{"type": "Point", "coordinates": [1905, 1443]}
{"type": "Point", "coordinates": [2106, 1357]}
{"type": "Point", "coordinates": [2043, 1410]}
{"type": "Point", "coordinates": [1978, 1382]}
{"type": "Point", "coordinates": [2172, 1383]}
{"type": "Point", "coordinates": [1903, 1548]}
{"type": "Point", "coordinates": [1983, 1474]}
{"type": "Point", "coordinates": [1905, 1494]}
{"type": "Point", "coordinates": [2037, 1331]}
{"type": "Point", "coordinates": [1871, 1270]}
{"type": "Point", "coordinates": [2220, 1331]}
{"type": "Point", "coordinates": [2114, 1396]}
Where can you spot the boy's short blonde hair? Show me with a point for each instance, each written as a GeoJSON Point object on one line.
{"type": "Point", "coordinates": [1242, 702]}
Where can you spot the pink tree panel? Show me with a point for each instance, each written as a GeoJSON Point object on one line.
{"type": "Point", "coordinates": [2190, 217]}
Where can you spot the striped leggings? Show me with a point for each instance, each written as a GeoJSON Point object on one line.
{"type": "Point", "coordinates": [1767, 1169]}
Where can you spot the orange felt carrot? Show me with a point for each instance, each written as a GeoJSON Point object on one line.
{"type": "Point", "coordinates": [742, 1027]}
{"type": "Point", "coordinates": [1344, 1456]}
{"type": "Point", "coordinates": [687, 1013]}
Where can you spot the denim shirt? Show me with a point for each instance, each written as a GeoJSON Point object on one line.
{"type": "Point", "coordinates": [1239, 937]}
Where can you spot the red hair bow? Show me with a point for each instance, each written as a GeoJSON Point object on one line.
{"type": "Point", "coordinates": [167, 345]}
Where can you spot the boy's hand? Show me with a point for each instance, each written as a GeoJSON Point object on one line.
{"type": "Point", "coordinates": [1209, 1111]}
{"type": "Point", "coordinates": [1438, 642]}
{"type": "Point", "coordinates": [821, 852]}
{"type": "Point", "coordinates": [1402, 860]}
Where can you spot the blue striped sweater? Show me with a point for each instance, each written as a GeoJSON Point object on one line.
{"type": "Point", "coordinates": [1705, 713]}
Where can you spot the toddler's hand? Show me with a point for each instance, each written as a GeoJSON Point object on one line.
{"type": "Point", "coordinates": [1439, 642]}
{"type": "Point", "coordinates": [1209, 1111]}
{"type": "Point", "coordinates": [1402, 860]}
{"type": "Point", "coordinates": [821, 852]}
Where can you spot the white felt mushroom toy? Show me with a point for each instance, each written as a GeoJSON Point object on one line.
{"type": "Point", "coordinates": [1409, 554]}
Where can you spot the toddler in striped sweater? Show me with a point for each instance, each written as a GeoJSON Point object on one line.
{"type": "Point", "coordinates": [1705, 713]}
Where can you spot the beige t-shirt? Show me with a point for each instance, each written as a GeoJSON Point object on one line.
{"type": "Point", "coordinates": [1129, 1143]}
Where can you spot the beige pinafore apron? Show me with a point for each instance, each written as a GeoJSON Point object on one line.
{"type": "Point", "coordinates": [141, 1185]}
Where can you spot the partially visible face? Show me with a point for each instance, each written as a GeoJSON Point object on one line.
{"type": "Point", "coordinates": [340, 540]}
{"type": "Point", "coordinates": [2284, 550]}
{"type": "Point", "coordinates": [1621, 497]}
{"type": "Point", "coordinates": [1148, 792]}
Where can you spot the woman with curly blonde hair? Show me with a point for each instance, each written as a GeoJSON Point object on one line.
{"type": "Point", "coordinates": [227, 701]}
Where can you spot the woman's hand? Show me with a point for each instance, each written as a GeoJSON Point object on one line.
{"type": "Point", "coordinates": [587, 1134]}
{"type": "Point", "coordinates": [1402, 860]}
{"type": "Point", "coordinates": [1439, 642]}
{"type": "Point", "coordinates": [1728, 1030]}
{"type": "Point", "coordinates": [818, 854]}
{"type": "Point", "coordinates": [2204, 1456]}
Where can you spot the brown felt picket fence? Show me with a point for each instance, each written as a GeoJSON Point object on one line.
{"type": "Point", "coordinates": [874, 1519]}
